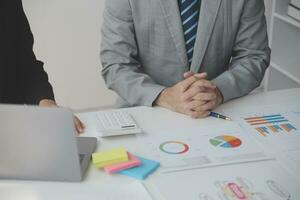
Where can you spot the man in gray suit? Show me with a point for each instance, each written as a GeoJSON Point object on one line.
{"type": "Point", "coordinates": [186, 55]}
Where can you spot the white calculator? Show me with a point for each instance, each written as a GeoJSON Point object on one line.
{"type": "Point", "coordinates": [113, 123]}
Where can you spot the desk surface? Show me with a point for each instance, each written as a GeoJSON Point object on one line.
{"type": "Point", "coordinates": [97, 182]}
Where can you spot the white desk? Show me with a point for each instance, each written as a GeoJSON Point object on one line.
{"type": "Point", "coordinates": [97, 182]}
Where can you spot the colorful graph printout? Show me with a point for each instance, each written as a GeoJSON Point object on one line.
{"type": "Point", "coordinates": [251, 181]}
{"type": "Point", "coordinates": [192, 148]}
{"type": "Point", "coordinates": [270, 124]}
{"type": "Point", "coordinates": [174, 147]}
{"type": "Point", "coordinates": [226, 141]}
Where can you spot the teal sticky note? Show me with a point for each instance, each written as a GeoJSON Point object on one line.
{"type": "Point", "coordinates": [141, 172]}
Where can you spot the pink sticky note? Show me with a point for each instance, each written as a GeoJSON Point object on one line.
{"type": "Point", "coordinates": [132, 162]}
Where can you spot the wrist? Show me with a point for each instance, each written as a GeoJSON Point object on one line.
{"type": "Point", "coordinates": [220, 96]}
{"type": "Point", "coordinates": [162, 99]}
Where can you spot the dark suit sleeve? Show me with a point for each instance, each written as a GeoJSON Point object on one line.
{"type": "Point", "coordinates": [34, 79]}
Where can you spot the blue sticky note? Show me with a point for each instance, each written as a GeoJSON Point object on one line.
{"type": "Point", "coordinates": [141, 172]}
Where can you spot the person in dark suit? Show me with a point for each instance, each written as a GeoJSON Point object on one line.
{"type": "Point", "coordinates": [23, 79]}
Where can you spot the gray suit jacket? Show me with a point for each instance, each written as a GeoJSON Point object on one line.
{"type": "Point", "coordinates": [143, 48]}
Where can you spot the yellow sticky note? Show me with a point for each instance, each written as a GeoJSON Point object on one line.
{"type": "Point", "coordinates": [106, 158]}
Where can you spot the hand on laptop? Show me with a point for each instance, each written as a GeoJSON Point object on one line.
{"type": "Point", "coordinates": [50, 103]}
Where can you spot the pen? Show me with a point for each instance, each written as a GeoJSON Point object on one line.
{"type": "Point", "coordinates": [217, 115]}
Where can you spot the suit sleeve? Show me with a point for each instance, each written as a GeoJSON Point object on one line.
{"type": "Point", "coordinates": [122, 70]}
{"type": "Point", "coordinates": [251, 53]}
{"type": "Point", "coordinates": [33, 77]}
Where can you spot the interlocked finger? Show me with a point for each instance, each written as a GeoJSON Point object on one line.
{"type": "Point", "coordinates": [205, 96]}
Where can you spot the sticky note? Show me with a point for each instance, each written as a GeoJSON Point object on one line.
{"type": "Point", "coordinates": [141, 172]}
{"type": "Point", "coordinates": [105, 158]}
{"type": "Point", "coordinates": [132, 162]}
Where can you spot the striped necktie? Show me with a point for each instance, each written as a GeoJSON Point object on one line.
{"type": "Point", "coordinates": [189, 12]}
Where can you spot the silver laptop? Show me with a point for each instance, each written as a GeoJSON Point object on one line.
{"type": "Point", "coordinates": [40, 144]}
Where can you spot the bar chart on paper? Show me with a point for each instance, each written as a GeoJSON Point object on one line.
{"type": "Point", "coordinates": [274, 126]}
{"type": "Point", "coordinates": [271, 124]}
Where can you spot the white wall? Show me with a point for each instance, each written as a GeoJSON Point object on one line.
{"type": "Point", "coordinates": [67, 39]}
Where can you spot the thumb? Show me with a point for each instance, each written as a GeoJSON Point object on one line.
{"type": "Point", "coordinates": [202, 75]}
{"type": "Point", "coordinates": [188, 74]}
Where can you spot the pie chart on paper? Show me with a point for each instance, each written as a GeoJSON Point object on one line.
{"type": "Point", "coordinates": [226, 141]}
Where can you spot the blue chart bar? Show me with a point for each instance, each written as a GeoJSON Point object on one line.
{"type": "Point", "coordinates": [288, 127]}
{"type": "Point", "coordinates": [267, 119]}
{"type": "Point", "coordinates": [271, 116]}
{"type": "Point", "coordinates": [265, 129]}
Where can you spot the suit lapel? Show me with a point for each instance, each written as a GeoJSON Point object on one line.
{"type": "Point", "coordinates": [207, 19]}
{"type": "Point", "coordinates": [171, 13]}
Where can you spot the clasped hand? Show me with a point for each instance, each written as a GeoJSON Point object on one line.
{"type": "Point", "coordinates": [194, 96]}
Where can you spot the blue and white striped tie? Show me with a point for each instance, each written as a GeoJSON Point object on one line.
{"type": "Point", "coordinates": [189, 11]}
